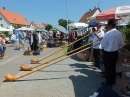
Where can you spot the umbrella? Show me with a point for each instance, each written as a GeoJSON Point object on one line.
{"type": "Point", "coordinates": [93, 24]}
{"type": "Point", "coordinates": [76, 25]}
{"type": "Point", "coordinates": [61, 29]}
{"type": "Point", "coordinates": [121, 12]}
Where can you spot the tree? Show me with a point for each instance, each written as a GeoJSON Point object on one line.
{"type": "Point", "coordinates": [48, 27]}
{"type": "Point", "coordinates": [62, 22]}
{"type": "Point", "coordinates": [126, 36]}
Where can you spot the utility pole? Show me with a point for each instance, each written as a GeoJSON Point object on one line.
{"type": "Point", "coordinates": [67, 20]}
{"type": "Point", "coordinates": [67, 13]}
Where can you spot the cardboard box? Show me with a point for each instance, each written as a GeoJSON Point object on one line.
{"type": "Point", "coordinates": [43, 46]}
{"type": "Point", "coordinates": [63, 42]}
{"type": "Point", "coordinates": [43, 49]}
{"type": "Point", "coordinates": [83, 56]}
{"type": "Point", "coordinates": [28, 53]}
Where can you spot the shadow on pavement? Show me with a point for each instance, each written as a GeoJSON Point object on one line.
{"type": "Point", "coordinates": [34, 79]}
{"type": "Point", "coordinates": [55, 71]}
{"type": "Point", "coordinates": [87, 82]}
{"type": "Point", "coordinates": [76, 58]}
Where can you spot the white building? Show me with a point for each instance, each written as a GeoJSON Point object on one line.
{"type": "Point", "coordinates": [88, 15]}
{"type": "Point", "coordinates": [11, 20]}
{"type": "Point", "coordinates": [36, 25]}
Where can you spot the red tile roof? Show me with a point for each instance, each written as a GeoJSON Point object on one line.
{"type": "Point", "coordinates": [88, 14]}
{"type": "Point", "coordinates": [38, 25]}
{"type": "Point", "coordinates": [13, 18]}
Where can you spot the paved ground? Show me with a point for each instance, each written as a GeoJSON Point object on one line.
{"type": "Point", "coordinates": [68, 78]}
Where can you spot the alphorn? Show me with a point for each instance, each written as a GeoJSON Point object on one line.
{"type": "Point", "coordinates": [36, 61]}
{"type": "Point", "coordinates": [11, 78]}
{"type": "Point", "coordinates": [23, 67]}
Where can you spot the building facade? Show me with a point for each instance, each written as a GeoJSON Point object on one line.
{"type": "Point", "coordinates": [11, 20]}
{"type": "Point", "coordinates": [89, 15]}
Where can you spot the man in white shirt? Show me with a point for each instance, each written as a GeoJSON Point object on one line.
{"type": "Point", "coordinates": [98, 35]}
{"type": "Point", "coordinates": [111, 43]}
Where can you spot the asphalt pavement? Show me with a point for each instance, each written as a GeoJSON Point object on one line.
{"type": "Point", "coordinates": [68, 78]}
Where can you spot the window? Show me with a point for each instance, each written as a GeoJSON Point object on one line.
{"type": "Point", "coordinates": [1, 25]}
{"type": "Point", "coordinates": [0, 19]}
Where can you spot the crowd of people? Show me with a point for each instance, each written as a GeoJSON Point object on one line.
{"type": "Point", "coordinates": [19, 37]}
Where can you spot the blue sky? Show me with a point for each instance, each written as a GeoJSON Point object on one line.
{"type": "Point", "coordinates": [50, 11]}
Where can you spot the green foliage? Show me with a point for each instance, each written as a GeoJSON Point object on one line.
{"type": "Point", "coordinates": [5, 33]}
{"type": "Point", "coordinates": [48, 27]}
{"type": "Point", "coordinates": [126, 33]}
{"type": "Point", "coordinates": [126, 37]}
{"type": "Point", "coordinates": [62, 22]}
{"type": "Point", "coordinates": [128, 26]}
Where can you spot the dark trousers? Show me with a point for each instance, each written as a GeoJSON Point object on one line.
{"type": "Point", "coordinates": [34, 46]}
{"type": "Point", "coordinates": [110, 66]}
{"type": "Point", "coordinates": [96, 54]}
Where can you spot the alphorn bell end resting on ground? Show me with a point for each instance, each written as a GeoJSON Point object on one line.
{"type": "Point", "coordinates": [23, 67]}
{"type": "Point", "coordinates": [26, 68]}
{"type": "Point", "coordinates": [10, 77]}
{"type": "Point", "coordinates": [34, 60]}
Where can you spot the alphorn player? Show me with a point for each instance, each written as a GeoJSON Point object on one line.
{"type": "Point", "coordinates": [97, 49]}
{"type": "Point", "coordinates": [111, 43]}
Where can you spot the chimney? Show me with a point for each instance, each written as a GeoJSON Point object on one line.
{"type": "Point", "coordinates": [4, 8]}
{"type": "Point", "coordinates": [89, 10]}
{"type": "Point", "coordinates": [95, 7]}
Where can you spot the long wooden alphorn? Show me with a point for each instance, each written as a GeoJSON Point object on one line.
{"type": "Point", "coordinates": [23, 67]}
{"type": "Point", "coordinates": [10, 77]}
{"type": "Point", "coordinates": [36, 61]}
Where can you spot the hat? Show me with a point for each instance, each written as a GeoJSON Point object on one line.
{"type": "Point", "coordinates": [111, 22]}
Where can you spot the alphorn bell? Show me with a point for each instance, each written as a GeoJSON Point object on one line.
{"type": "Point", "coordinates": [10, 77]}
{"type": "Point", "coordinates": [26, 68]}
{"type": "Point", "coordinates": [36, 61]}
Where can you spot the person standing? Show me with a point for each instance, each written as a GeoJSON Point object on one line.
{"type": "Point", "coordinates": [98, 35]}
{"type": "Point", "coordinates": [13, 39]}
{"type": "Point", "coordinates": [21, 40]}
{"type": "Point", "coordinates": [3, 44]}
{"type": "Point", "coordinates": [51, 38]}
{"type": "Point", "coordinates": [111, 43]}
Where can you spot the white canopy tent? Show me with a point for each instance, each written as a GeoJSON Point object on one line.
{"type": "Point", "coordinates": [4, 29]}
{"type": "Point", "coordinates": [76, 25]}
{"type": "Point", "coordinates": [25, 28]}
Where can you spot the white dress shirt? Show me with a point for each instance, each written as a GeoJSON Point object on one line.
{"type": "Point", "coordinates": [95, 38]}
{"type": "Point", "coordinates": [112, 41]}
